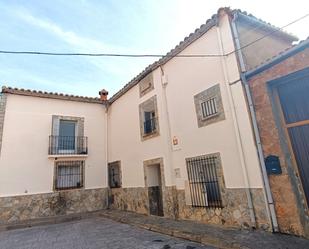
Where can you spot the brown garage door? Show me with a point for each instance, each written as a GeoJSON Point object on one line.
{"type": "Point", "coordinates": [294, 101]}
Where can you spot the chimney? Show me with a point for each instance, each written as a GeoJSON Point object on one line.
{"type": "Point", "coordinates": [103, 95]}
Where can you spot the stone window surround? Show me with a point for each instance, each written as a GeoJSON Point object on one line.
{"type": "Point", "coordinates": [220, 177]}
{"type": "Point", "coordinates": [56, 120]}
{"type": "Point", "coordinates": [211, 92]}
{"type": "Point", "coordinates": [55, 173]}
{"type": "Point", "coordinates": [118, 162]}
{"type": "Point", "coordinates": [142, 106]}
{"type": "Point", "coordinates": [146, 85]}
{"type": "Point", "coordinates": [150, 162]}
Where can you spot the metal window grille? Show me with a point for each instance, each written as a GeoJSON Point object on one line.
{"type": "Point", "coordinates": [203, 181]}
{"type": "Point", "coordinates": [114, 177]}
{"type": "Point", "coordinates": [69, 175]}
{"type": "Point", "coordinates": [209, 108]}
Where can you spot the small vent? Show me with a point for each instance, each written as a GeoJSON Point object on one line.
{"type": "Point", "coordinates": [209, 108]}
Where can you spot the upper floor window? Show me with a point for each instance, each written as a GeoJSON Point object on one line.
{"type": "Point", "coordinates": [146, 84]}
{"type": "Point", "coordinates": [67, 136]}
{"type": "Point", "coordinates": [148, 112]}
{"type": "Point", "coordinates": [150, 122]}
{"type": "Point", "coordinates": [209, 106]}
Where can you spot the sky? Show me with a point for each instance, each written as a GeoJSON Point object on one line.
{"type": "Point", "coordinates": [109, 26]}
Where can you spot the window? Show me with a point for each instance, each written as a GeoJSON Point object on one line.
{"type": "Point", "coordinates": [148, 114]}
{"type": "Point", "coordinates": [69, 175]}
{"type": "Point", "coordinates": [66, 140]}
{"type": "Point", "coordinates": [67, 136]}
{"type": "Point", "coordinates": [146, 85]}
{"type": "Point", "coordinates": [114, 174]}
{"type": "Point", "coordinates": [150, 122]}
{"type": "Point", "coordinates": [203, 181]}
{"type": "Point", "coordinates": [209, 108]}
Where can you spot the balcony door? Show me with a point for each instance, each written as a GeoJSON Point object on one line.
{"type": "Point", "coordinates": [67, 136]}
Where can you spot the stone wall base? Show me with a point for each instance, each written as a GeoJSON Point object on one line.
{"type": "Point", "coordinates": [26, 207]}
{"type": "Point", "coordinates": [129, 199]}
{"type": "Point", "coordinates": [235, 211]}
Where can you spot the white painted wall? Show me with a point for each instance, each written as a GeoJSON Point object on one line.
{"type": "Point", "coordinates": [24, 164]}
{"type": "Point", "coordinates": [186, 77]}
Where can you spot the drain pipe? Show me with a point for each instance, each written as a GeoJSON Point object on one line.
{"type": "Point", "coordinates": [237, 133]}
{"type": "Point", "coordinates": [106, 152]}
{"type": "Point", "coordinates": [255, 127]}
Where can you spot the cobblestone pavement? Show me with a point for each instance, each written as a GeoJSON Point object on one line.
{"type": "Point", "coordinates": [96, 232]}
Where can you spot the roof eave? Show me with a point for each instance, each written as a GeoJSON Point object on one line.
{"type": "Point", "coordinates": [58, 96]}
{"type": "Point", "coordinates": [292, 51]}
{"type": "Point", "coordinates": [261, 23]}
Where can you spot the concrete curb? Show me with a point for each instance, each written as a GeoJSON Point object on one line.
{"type": "Point", "coordinates": [199, 238]}
{"type": "Point", "coordinates": [47, 220]}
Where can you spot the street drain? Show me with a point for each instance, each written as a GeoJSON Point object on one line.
{"type": "Point", "coordinates": [157, 240]}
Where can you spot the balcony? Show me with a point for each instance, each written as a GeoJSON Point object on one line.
{"type": "Point", "coordinates": [68, 145]}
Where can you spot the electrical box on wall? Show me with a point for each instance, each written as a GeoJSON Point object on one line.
{"type": "Point", "coordinates": [273, 166]}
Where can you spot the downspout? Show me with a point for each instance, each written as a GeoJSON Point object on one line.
{"type": "Point", "coordinates": [106, 152]}
{"type": "Point", "coordinates": [170, 158]}
{"type": "Point", "coordinates": [237, 132]}
{"type": "Point", "coordinates": [255, 127]}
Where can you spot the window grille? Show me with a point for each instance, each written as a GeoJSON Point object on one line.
{"type": "Point", "coordinates": [114, 174]}
{"type": "Point", "coordinates": [203, 181]}
{"type": "Point", "coordinates": [69, 175]}
{"type": "Point", "coordinates": [209, 108]}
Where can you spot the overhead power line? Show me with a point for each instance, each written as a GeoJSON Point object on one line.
{"type": "Point", "coordinates": [149, 55]}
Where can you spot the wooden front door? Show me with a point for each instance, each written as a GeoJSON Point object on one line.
{"type": "Point", "coordinates": [293, 98]}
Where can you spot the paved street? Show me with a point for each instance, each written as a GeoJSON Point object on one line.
{"type": "Point", "coordinates": [96, 232]}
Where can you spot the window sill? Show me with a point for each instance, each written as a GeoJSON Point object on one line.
{"type": "Point", "coordinates": [210, 117]}
{"type": "Point", "coordinates": [150, 135]}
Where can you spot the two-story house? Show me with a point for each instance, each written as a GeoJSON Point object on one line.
{"type": "Point", "coordinates": [176, 141]}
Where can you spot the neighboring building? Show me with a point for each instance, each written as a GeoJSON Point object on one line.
{"type": "Point", "coordinates": [175, 141]}
{"type": "Point", "coordinates": [280, 90]}
{"type": "Point", "coordinates": [51, 143]}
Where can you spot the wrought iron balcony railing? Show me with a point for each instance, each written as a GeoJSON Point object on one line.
{"type": "Point", "coordinates": [67, 145]}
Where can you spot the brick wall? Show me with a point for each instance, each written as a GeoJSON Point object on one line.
{"type": "Point", "coordinates": [289, 210]}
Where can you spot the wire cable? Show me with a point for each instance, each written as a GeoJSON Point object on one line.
{"type": "Point", "coordinates": [150, 55]}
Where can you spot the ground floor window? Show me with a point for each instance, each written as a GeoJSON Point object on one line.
{"type": "Point", "coordinates": [203, 181]}
{"type": "Point", "coordinates": [69, 174]}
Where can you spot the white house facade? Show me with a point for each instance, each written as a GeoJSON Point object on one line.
{"type": "Point", "coordinates": [176, 141]}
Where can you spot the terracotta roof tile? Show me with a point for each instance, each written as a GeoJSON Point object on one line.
{"type": "Point", "coordinates": [51, 95]}
{"type": "Point", "coordinates": [300, 43]}
{"type": "Point", "coordinates": [186, 42]}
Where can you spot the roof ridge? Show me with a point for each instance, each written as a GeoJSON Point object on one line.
{"type": "Point", "coordinates": [170, 54]}
{"type": "Point", "coordinates": [186, 42]}
{"type": "Point", "coordinates": [245, 13]}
